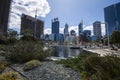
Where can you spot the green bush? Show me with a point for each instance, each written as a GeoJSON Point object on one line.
{"type": "Point", "coordinates": [103, 67]}
{"type": "Point", "coordinates": [11, 41]}
{"type": "Point", "coordinates": [28, 38]}
{"type": "Point", "coordinates": [10, 76]}
{"type": "Point", "coordinates": [2, 66]}
{"type": "Point", "coordinates": [24, 51]}
{"type": "Point", "coordinates": [93, 67]}
{"type": "Point", "coordinates": [31, 64]}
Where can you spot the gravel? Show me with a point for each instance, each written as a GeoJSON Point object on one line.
{"type": "Point", "coordinates": [49, 70]}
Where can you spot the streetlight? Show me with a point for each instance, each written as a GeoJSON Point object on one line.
{"type": "Point", "coordinates": [106, 24]}
{"type": "Point", "coordinates": [108, 35]}
{"type": "Point", "coordinates": [35, 23]}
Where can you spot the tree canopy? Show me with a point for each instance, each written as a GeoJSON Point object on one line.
{"type": "Point", "coordinates": [115, 37]}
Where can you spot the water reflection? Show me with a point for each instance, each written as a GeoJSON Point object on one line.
{"type": "Point", "coordinates": [65, 51]}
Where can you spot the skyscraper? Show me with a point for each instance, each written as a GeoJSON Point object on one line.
{"type": "Point", "coordinates": [28, 23]}
{"type": "Point", "coordinates": [86, 35]}
{"type": "Point", "coordinates": [66, 32]}
{"type": "Point", "coordinates": [87, 32]}
{"type": "Point", "coordinates": [55, 26]}
{"type": "Point", "coordinates": [112, 18]}
{"type": "Point", "coordinates": [80, 28]}
{"type": "Point", "coordinates": [4, 15]}
{"type": "Point", "coordinates": [97, 29]}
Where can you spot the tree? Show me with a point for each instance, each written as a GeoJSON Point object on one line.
{"type": "Point", "coordinates": [12, 33]}
{"type": "Point", "coordinates": [28, 36]}
{"type": "Point", "coordinates": [115, 37]}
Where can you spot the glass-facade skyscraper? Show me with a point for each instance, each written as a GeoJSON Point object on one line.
{"type": "Point", "coordinates": [112, 18]}
{"type": "Point", "coordinates": [66, 32]}
{"type": "Point", "coordinates": [80, 28]}
{"type": "Point", "coordinates": [55, 26]}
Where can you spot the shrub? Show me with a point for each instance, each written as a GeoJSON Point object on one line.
{"type": "Point", "coordinates": [10, 76]}
{"type": "Point", "coordinates": [2, 65]}
{"type": "Point", "coordinates": [25, 51]}
{"type": "Point", "coordinates": [31, 64]}
{"type": "Point", "coordinates": [93, 67]}
{"type": "Point", "coordinates": [28, 38]}
{"type": "Point", "coordinates": [103, 68]}
{"type": "Point", "coordinates": [11, 41]}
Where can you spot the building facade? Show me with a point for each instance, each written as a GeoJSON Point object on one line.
{"type": "Point", "coordinates": [66, 32]}
{"type": "Point", "coordinates": [86, 35]}
{"type": "Point", "coordinates": [35, 26]}
{"type": "Point", "coordinates": [97, 29]}
{"type": "Point", "coordinates": [4, 15]}
{"type": "Point", "coordinates": [87, 32]}
{"type": "Point", "coordinates": [80, 28]}
{"type": "Point", "coordinates": [55, 26]}
{"type": "Point", "coordinates": [112, 18]}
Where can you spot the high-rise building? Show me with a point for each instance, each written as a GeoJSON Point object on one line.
{"type": "Point", "coordinates": [112, 18]}
{"type": "Point", "coordinates": [97, 29]}
{"type": "Point", "coordinates": [80, 28]}
{"type": "Point", "coordinates": [86, 35]}
{"type": "Point", "coordinates": [36, 26]}
{"type": "Point", "coordinates": [66, 32]}
{"type": "Point", "coordinates": [4, 15]}
{"type": "Point", "coordinates": [87, 32]}
{"type": "Point", "coordinates": [55, 26]}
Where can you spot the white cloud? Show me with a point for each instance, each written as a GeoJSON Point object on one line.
{"type": "Point", "coordinates": [103, 29]}
{"type": "Point", "coordinates": [27, 7]}
{"type": "Point", "coordinates": [47, 31]}
{"type": "Point", "coordinates": [61, 30]}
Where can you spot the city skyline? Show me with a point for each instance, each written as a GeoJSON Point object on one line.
{"type": "Point", "coordinates": [68, 11]}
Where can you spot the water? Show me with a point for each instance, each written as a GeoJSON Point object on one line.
{"type": "Point", "coordinates": [63, 52]}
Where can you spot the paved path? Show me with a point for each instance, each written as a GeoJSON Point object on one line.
{"type": "Point", "coordinates": [103, 52]}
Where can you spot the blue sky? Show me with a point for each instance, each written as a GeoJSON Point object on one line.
{"type": "Point", "coordinates": [72, 11]}
{"type": "Point", "coordinates": [68, 11]}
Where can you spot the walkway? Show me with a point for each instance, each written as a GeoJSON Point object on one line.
{"type": "Point", "coordinates": [103, 52]}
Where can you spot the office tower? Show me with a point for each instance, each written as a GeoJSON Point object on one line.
{"type": "Point", "coordinates": [112, 18]}
{"type": "Point", "coordinates": [97, 29]}
{"type": "Point", "coordinates": [55, 26]}
{"type": "Point", "coordinates": [86, 35]}
{"type": "Point", "coordinates": [87, 32]}
{"type": "Point", "coordinates": [66, 32]}
{"type": "Point", "coordinates": [36, 26]}
{"type": "Point", "coordinates": [4, 15]}
{"type": "Point", "coordinates": [80, 28]}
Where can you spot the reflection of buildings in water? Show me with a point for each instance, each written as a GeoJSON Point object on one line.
{"type": "Point", "coordinates": [65, 52]}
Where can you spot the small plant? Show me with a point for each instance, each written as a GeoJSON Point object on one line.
{"type": "Point", "coordinates": [31, 64]}
{"type": "Point", "coordinates": [2, 66]}
{"type": "Point", "coordinates": [10, 76]}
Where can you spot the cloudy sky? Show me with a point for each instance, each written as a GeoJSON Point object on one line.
{"type": "Point", "coordinates": [68, 11]}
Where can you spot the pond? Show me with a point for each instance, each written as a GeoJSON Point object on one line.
{"type": "Point", "coordinates": [63, 52]}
